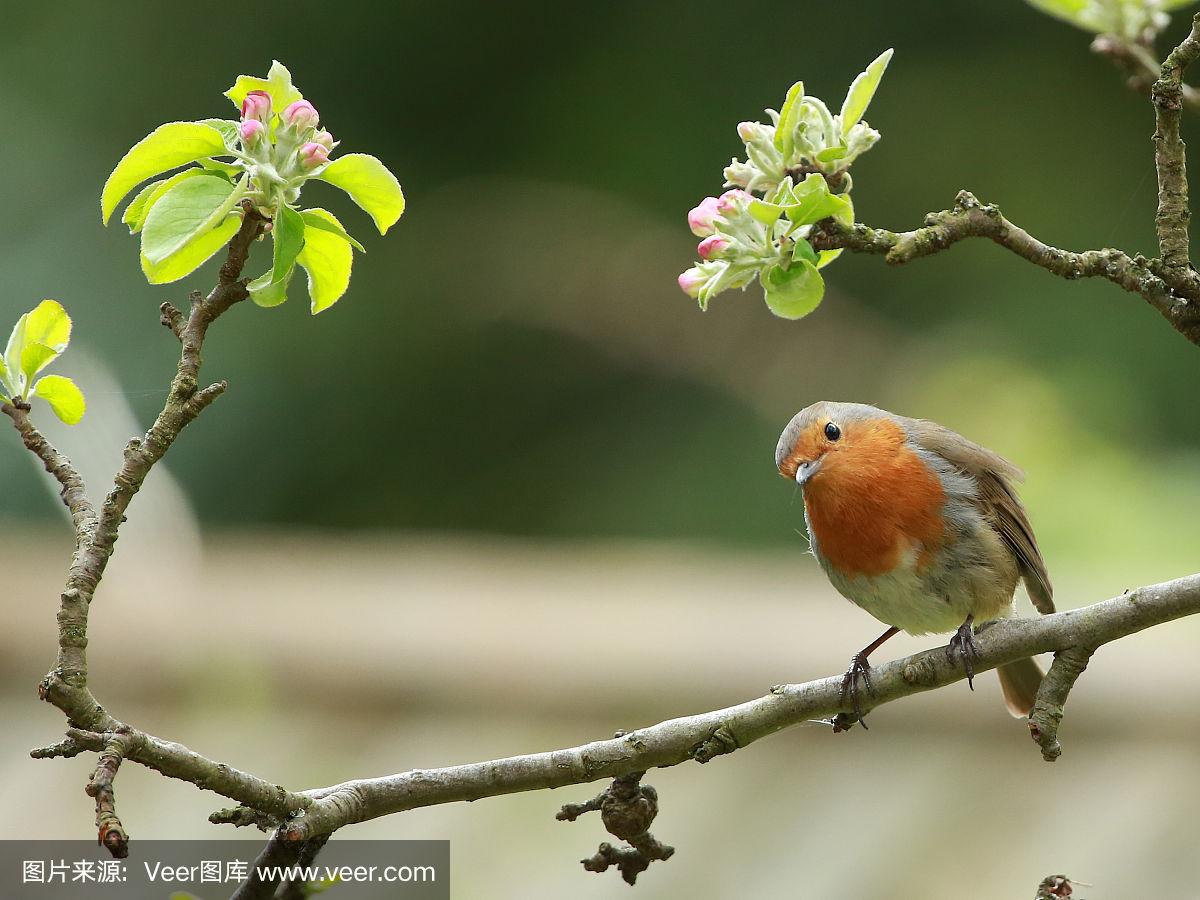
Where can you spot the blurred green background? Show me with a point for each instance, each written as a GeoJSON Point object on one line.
{"type": "Point", "coordinates": [515, 376]}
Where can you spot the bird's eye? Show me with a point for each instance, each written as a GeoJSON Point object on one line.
{"type": "Point", "coordinates": [832, 432]}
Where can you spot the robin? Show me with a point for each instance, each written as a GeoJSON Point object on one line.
{"type": "Point", "coordinates": [918, 526]}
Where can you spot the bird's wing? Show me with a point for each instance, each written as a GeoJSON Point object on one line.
{"type": "Point", "coordinates": [998, 499]}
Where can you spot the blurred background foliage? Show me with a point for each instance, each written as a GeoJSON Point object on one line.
{"type": "Point", "coordinates": [422, 507]}
{"type": "Point", "coordinates": [516, 357]}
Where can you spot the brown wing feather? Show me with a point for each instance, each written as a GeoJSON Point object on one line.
{"type": "Point", "coordinates": [996, 477]}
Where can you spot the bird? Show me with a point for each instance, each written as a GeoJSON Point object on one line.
{"type": "Point", "coordinates": [920, 527]}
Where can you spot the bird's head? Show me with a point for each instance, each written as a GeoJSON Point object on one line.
{"type": "Point", "coordinates": [831, 441]}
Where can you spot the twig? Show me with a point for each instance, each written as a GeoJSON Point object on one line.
{"type": "Point", "coordinates": [627, 808]}
{"type": "Point", "coordinates": [176, 761]}
{"type": "Point", "coordinates": [112, 833]}
{"type": "Point", "coordinates": [969, 218]}
{"type": "Point", "coordinates": [73, 493]}
{"type": "Point", "coordinates": [1171, 220]}
{"type": "Point", "coordinates": [1047, 710]}
{"type": "Point", "coordinates": [263, 878]}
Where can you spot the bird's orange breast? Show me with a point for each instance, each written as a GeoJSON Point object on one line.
{"type": "Point", "coordinates": [873, 502]}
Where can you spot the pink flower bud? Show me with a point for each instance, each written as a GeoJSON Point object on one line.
{"type": "Point", "coordinates": [301, 115]}
{"type": "Point", "coordinates": [713, 246]}
{"type": "Point", "coordinates": [748, 131]}
{"type": "Point", "coordinates": [700, 219]}
{"type": "Point", "coordinates": [692, 281]}
{"type": "Point", "coordinates": [252, 131]}
{"type": "Point", "coordinates": [324, 138]}
{"type": "Point", "coordinates": [733, 202]}
{"type": "Point", "coordinates": [312, 155]}
{"type": "Point", "coordinates": [257, 106]}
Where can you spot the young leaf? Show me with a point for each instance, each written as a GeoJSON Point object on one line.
{"type": "Point", "coordinates": [804, 250]}
{"type": "Point", "coordinates": [862, 89]}
{"type": "Point", "coordinates": [327, 259]}
{"type": "Point", "coordinates": [266, 292]}
{"type": "Point", "coordinates": [36, 339]}
{"type": "Point", "coordinates": [8, 389]}
{"type": "Point", "coordinates": [370, 185]}
{"type": "Point", "coordinates": [63, 395]}
{"type": "Point", "coordinates": [765, 212]}
{"type": "Point", "coordinates": [192, 255]}
{"type": "Point", "coordinates": [814, 203]}
{"type": "Point", "coordinates": [136, 212]}
{"type": "Point", "coordinates": [825, 257]}
{"type": "Point", "coordinates": [312, 221]}
{"type": "Point", "coordinates": [1067, 10]}
{"type": "Point", "coordinates": [226, 170]}
{"type": "Point", "coordinates": [189, 209]}
{"type": "Point", "coordinates": [288, 236]}
{"type": "Point", "coordinates": [166, 147]}
{"type": "Point", "coordinates": [795, 292]}
{"type": "Point", "coordinates": [278, 84]}
{"type": "Point", "coordinates": [228, 129]}
{"type": "Point", "coordinates": [785, 130]}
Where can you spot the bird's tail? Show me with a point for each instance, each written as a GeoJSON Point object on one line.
{"type": "Point", "coordinates": [1020, 681]}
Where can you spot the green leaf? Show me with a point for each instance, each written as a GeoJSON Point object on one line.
{"type": "Point", "coordinates": [139, 208]}
{"type": "Point", "coordinates": [287, 233]}
{"type": "Point", "coordinates": [1068, 10]}
{"type": "Point", "coordinates": [825, 257]}
{"type": "Point", "coordinates": [192, 255]}
{"type": "Point", "coordinates": [804, 250]}
{"type": "Point", "coordinates": [785, 131]}
{"type": "Point", "coordinates": [37, 338]}
{"type": "Point", "coordinates": [325, 225]}
{"type": "Point", "coordinates": [228, 171]}
{"type": "Point", "coordinates": [765, 212]}
{"type": "Point", "coordinates": [63, 395]}
{"type": "Point", "coordinates": [829, 154]}
{"type": "Point", "coordinates": [189, 209]}
{"type": "Point", "coordinates": [794, 292]}
{"type": "Point", "coordinates": [266, 292]}
{"type": "Point", "coordinates": [6, 382]}
{"type": "Point", "coordinates": [228, 129]}
{"type": "Point", "coordinates": [166, 147]}
{"type": "Point", "coordinates": [814, 203]}
{"type": "Point", "coordinates": [862, 89]}
{"type": "Point", "coordinates": [278, 84]}
{"type": "Point", "coordinates": [327, 259]}
{"type": "Point", "coordinates": [370, 185]}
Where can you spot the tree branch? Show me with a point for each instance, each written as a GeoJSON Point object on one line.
{"type": "Point", "coordinates": [73, 493]}
{"type": "Point", "coordinates": [1173, 216]}
{"type": "Point", "coordinates": [66, 684]}
{"type": "Point", "coordinates": [679, 740]}
{"type": "Point", "coordinates": [968, 218]}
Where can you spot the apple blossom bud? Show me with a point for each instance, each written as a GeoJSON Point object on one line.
{"type": "Point", "coordinates": [252, 131]}
{"type": "Point", "coordinates": [692, 281]}
{"type": "Point", "coordinates": [733, 202]}
{"type": "Point", "coordinates": [301, 115]}
{"type": "Point", "coordinates": [713, 246]}
{"type": "Point", "coordinates": [700, 219]}
{"type": "Point", "coordinates": [312, 155]}
{"type": "Point", "coordinates": [324, 138]}
{"type": "Point", "coordinates": [748, 131]}
{"type": "Point", "coordinates": [257, 106]}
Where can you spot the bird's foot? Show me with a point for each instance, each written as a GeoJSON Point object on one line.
{"type": "Point", "coordinates": [860, 670]}
{"type": "Point", "coordinates": [964, 646]}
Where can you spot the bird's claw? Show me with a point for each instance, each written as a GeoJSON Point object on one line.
{"type": "Point", "coordinates": [859, 669]}
{"type": "Point", "coordinates": [964, 646]}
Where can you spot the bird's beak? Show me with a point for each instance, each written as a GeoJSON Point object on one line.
{"type": "Point", "coordinates": [807, 470]}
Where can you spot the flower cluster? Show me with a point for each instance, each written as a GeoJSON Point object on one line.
{"type": "Point", "coordinates": [799, 165]}
{"type": "Point", "coordinates": [280, 152]}
{"type": "Point", "coordinates": [259, 162]}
